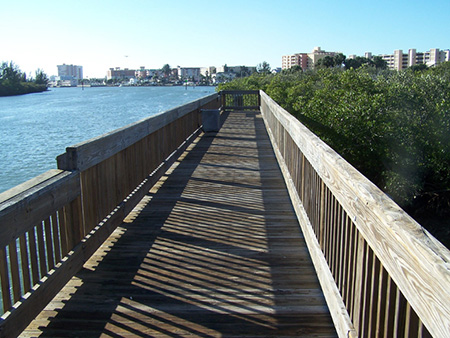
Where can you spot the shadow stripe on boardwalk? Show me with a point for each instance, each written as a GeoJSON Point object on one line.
{"type": "Point", "coordinates": [214, 250]}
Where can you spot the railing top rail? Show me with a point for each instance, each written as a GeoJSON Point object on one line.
{"type": "Point", "coordinates": [39, 197]}
{"type": "Point", "coordinates": [238, 92]}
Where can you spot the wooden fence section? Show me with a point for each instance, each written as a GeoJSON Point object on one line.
{"type": "Point", "coordinates": [240, 99]}
{"type": "Point", "coordinates": [52, 224]}
{"type": "Point", "coordinates": [39, 225]}
{"type": "Point", "coordinates": [382, 273]}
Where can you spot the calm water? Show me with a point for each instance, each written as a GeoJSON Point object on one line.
{"type": "Point", "coordinates": [35, 128]}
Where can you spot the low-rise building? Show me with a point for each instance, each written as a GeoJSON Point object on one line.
{"type": "Point", "coordinates": [189, 73]}
{"type": "Point", "coordinates": [143, 73]}
{"type": "Point", "coordinates": [120, 74]}
{"type": "Point", "coordinates": [304, 60]}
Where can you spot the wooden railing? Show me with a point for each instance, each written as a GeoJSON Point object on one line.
{"type": "Point", "coordinates": [51, 225]}
{"type": "Point", "coordinates": [240, 99]}
{"type": "Point", "coordinates": [383, 275]}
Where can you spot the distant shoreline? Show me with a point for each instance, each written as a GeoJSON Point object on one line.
{"type": "Point", "coordinates": [22, 89]}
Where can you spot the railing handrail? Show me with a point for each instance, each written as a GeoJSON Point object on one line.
{"type": "Point", "coordinates": [47, 227]}
{"type": "Point", "coordinates": [417, 263]}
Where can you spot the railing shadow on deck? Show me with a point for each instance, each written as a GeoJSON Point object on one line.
{"type": "Point", "coordinates": [194, 278]}
{"type": "Point", "coordinates": [120, 266]}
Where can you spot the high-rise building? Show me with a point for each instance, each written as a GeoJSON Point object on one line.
{"type": "Point", "coordinates": [70, 72]}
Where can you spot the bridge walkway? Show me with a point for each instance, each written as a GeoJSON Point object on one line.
{"type": "Point", "coordinates": [213, 250]}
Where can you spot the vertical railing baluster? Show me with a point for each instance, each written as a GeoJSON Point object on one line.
{"type": "Point", "coordinates": [34, 261]}
{"type": "Point", "coordinates": [390, 308]}
{"type": "Point", "coordinates": [56, 238]}
{"type": "Point", "coordinates": [41, 250]}
{"type": "Point", "coordinates": [25, 264]}
{"type": "Point", "coordinates": [15, 275]}
{"type": "Point", "coordinates": [49, 244]}
{"type": "Point", "coordinates": [4, 281]}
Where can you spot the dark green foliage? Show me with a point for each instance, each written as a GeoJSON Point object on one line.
{"type": "Point", "coordinates": [14, 82]}
{"type": "Point", "coordinates": [41, 77]}
{"type": "Point", "coordinates": [331, 61]}
{"type": "Point", "coordinates": [166, 70]}
{"type": "Point", "coordinates": [263, 68]}
{"type": "Point", "coordinates": [392, 126]}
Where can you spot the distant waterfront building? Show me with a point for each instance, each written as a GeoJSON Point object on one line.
{"type": "Point", "coordinates": [143, 73]}
{"type": "Point", "coordinates": [396, 61]}
{"type": "Point", "coordinates": [244, 70]}
{"type": "Point", "coordinates": [68, 72]}
{"type": "Point", "coordinates": [68, 75]}
{"type": "Point", "coordinates": [120, 74]}
{"type": "Point", "coordinates": [227, 73]}
{"type": "Point", "coordinates": [189, 73]}
{"type": "Point", "coordinates": [304, 60]}
{"type": "Point", "coordinates": [208, 71]}
{"type": "Point", "coordinates": [400, 60]}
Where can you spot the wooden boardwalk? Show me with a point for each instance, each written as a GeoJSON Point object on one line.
{"type": "Point", "coordinates": [214, 250]}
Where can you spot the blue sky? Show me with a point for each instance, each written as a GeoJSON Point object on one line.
{"type": "Point", "coordinates": [99, 34]}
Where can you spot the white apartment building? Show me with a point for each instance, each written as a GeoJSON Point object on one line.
{"type": "Point", "coordinates": [304, 60]}
{"type": "Point", "coordinates": [189, 73]}
{"type": "Point", "coordinates": [143, 73]}
{"type": "Point", "coordinates": [69, 72]}
{"type": "Point", "coordinates": [400, 60]}
{"type": "Point", "coordinates": [298, 59]}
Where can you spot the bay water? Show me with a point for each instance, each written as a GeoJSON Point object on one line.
{"type": "Point", "coordinates": [35, 128]}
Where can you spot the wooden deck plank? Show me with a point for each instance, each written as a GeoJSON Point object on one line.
{"type": "Point", "coordinates": [214, 250]}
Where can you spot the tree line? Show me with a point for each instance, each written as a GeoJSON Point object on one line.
{"type": "Point", "coordinates": [15, 82]}
{"type": "Point", "coordinates": [393, 126]}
